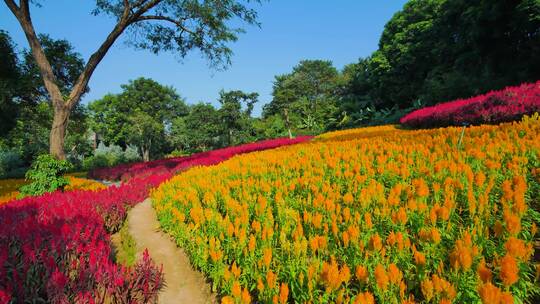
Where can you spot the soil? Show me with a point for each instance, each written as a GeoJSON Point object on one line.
{"type": "Point", "coordinates": [183, 284]}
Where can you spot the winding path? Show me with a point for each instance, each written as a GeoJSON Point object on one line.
{"type": "Point", "coordinates": [183, 284]}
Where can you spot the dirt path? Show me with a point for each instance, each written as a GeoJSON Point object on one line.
{"type": "Point", "coordinates": [183, 283]}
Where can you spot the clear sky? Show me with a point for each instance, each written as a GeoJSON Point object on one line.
{"type": "Point", "coordinates": [341, 31]}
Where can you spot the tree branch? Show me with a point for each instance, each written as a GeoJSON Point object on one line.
{"type": "Point", "coordinates": [178, 23]}
{"type": "Point", "coordinates": [22, 13]}
{"type": "Point", "coordinates": [95, 59]}
{"type": "Point", "coordinates": [144, 9]}
{"type": "Point", "coordinates": [13, 7]}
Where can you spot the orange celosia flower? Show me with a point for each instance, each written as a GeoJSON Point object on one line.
{"type": "Point", "coordinates": [509, 270]}
{"type": "Point", "coordinates": [271, 279]}
{"type": "Point", "coordinates": [375, 243]}
{"type": "Point", "coordinates": [364, 298]}
{"type": "Point", "coordinates": [252, 243]}
{"type": "Point", "coordinates": [461, 257]}
{"type": "Point", "coordinates": [381, 277]}
{"type": "Point", "coordinates": [260, 285]}
{"type": "Point", "coordinates": [506, 297]}
{"type": "Point", "coordinates": [267, 257]}
{"type": "Point", "coordinates": [235, 270]}
{"type": "Point", "coordinates": [236, 289]}
{"type": "Point", "coordinates": [246, 297]}
{"type": "Point", "coordinates": [516, 248]}
{"type": "Point", "coordinates": [513, 223]}
{"type": "Point", "coordinates": [483, 272]}
{"type": "Point", "coordinates": [394, 274]}
{"type": "Point", "coordinates": [427, 289]}
{"type": "Point", "coordinates": [283, 293]}
{"type": "Point", "coordinates": [227, 300]}
{"type": "Point", "coordinates": [419, 258]}
{"type": "Point", "coordinates": [489, 293]}
{"type": "Point", "coordinates": [361, 273]}
{"type": "Point", "coordinates": [330, 275]}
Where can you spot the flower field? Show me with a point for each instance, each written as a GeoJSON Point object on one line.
{"type": "Point", "coordinates": [9, 187]}
{"type": "Point", "coordinates": [367, 215]}
{"type": "Point", "coordinates": [56, 248]}
{"type": "Point", "coordinates": [177, 164]}
{"type": "Point", "coordinates": [505, 105]}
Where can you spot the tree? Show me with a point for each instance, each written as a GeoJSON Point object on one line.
{"type": "Point", "coordinates": [234, 119]}
{"type": "Point", "coordinates": [305, 97]}
{"type": "Point", "coordinates": [199, 130]}
{"type": "Point", "coordinates": [10, 76]}
{"type": "Point", "coordinates": [29, 108]}
{"type": "Point", "coordinates": [160, 25]}
{"type": "Point", "coordinates": [437, 50]}
{"type": "Point", "coordinates": [141, 115]}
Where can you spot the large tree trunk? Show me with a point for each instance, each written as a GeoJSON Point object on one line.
{"type": "Point", "coordinates": [61, 107]}
{"type": "Point", "coordinates": [58, 130]}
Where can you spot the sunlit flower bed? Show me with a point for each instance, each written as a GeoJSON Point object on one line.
{"type": "Point", "coordinates": [367, 215]}
{"type": "Point", "coordinates": [177, 164]}
{"type": "Point", "coordinates": [505, 105]}
{"type": "Point", "coordinates": [56, 248]}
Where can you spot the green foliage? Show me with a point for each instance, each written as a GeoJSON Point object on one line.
{"type": "Point", "coordinates": [182, 26]}
{"type": "Point", "coordinates": [25, 112]}
{"type": "Point", "coordinates": [126, 247]}
{"type": "Point", "coordinates": [439, 50]}
{"type": "Point", "coordinates": [305, 98]}
{"type": "Point", "coordinates": [11, 164]}
{"type": "Point", "coordinates": [108, 156]}
{"type": "Point", "coordinates": [10, 75]}
{"type": "Point", "coordinates": [197, 131]}
{"type": "Point", "coordinates": [139, 116]}
{"type": "Point", "coordinates": [236, 122]}
{"type": "Point", "coordinates": [46, 175]}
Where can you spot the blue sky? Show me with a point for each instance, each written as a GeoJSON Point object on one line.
{"type": "Point", "coordinates": [341, 31]}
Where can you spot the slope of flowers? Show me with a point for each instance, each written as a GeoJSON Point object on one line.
{"type": "Point", "coordinates": [505, 105]}
{"type": "Point", "coordinates": [177, 164]}
{"type": "Point", "coordinates": [56, 248]}
{"type": "Point", "coordinates": [367, 215]}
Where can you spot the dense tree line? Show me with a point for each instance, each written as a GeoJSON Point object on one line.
{"type": "Point", "coordinates": [438, 50]}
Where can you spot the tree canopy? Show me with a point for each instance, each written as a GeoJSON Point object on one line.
{"type": "Point", "coordinates": [155, 25]}
{"type": "Point", "coordinates": [141, 115]}
{"type": "Point", "coordinates": [437, 50]}
{"type": "Point", "coordinates": [306, 97]}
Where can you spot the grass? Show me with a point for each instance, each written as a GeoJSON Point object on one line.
{"type": "Point", "coordinates": [126, 248]}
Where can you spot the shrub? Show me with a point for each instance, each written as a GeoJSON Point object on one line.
{"type": "Point", "coordinates": [11, 164]}
{"type": "Point", "coordinates": [108, 156]}
{"type": "Point", "coordinates": [494, 107]}
{"type": "Point", "coordinates": [46, 175]}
